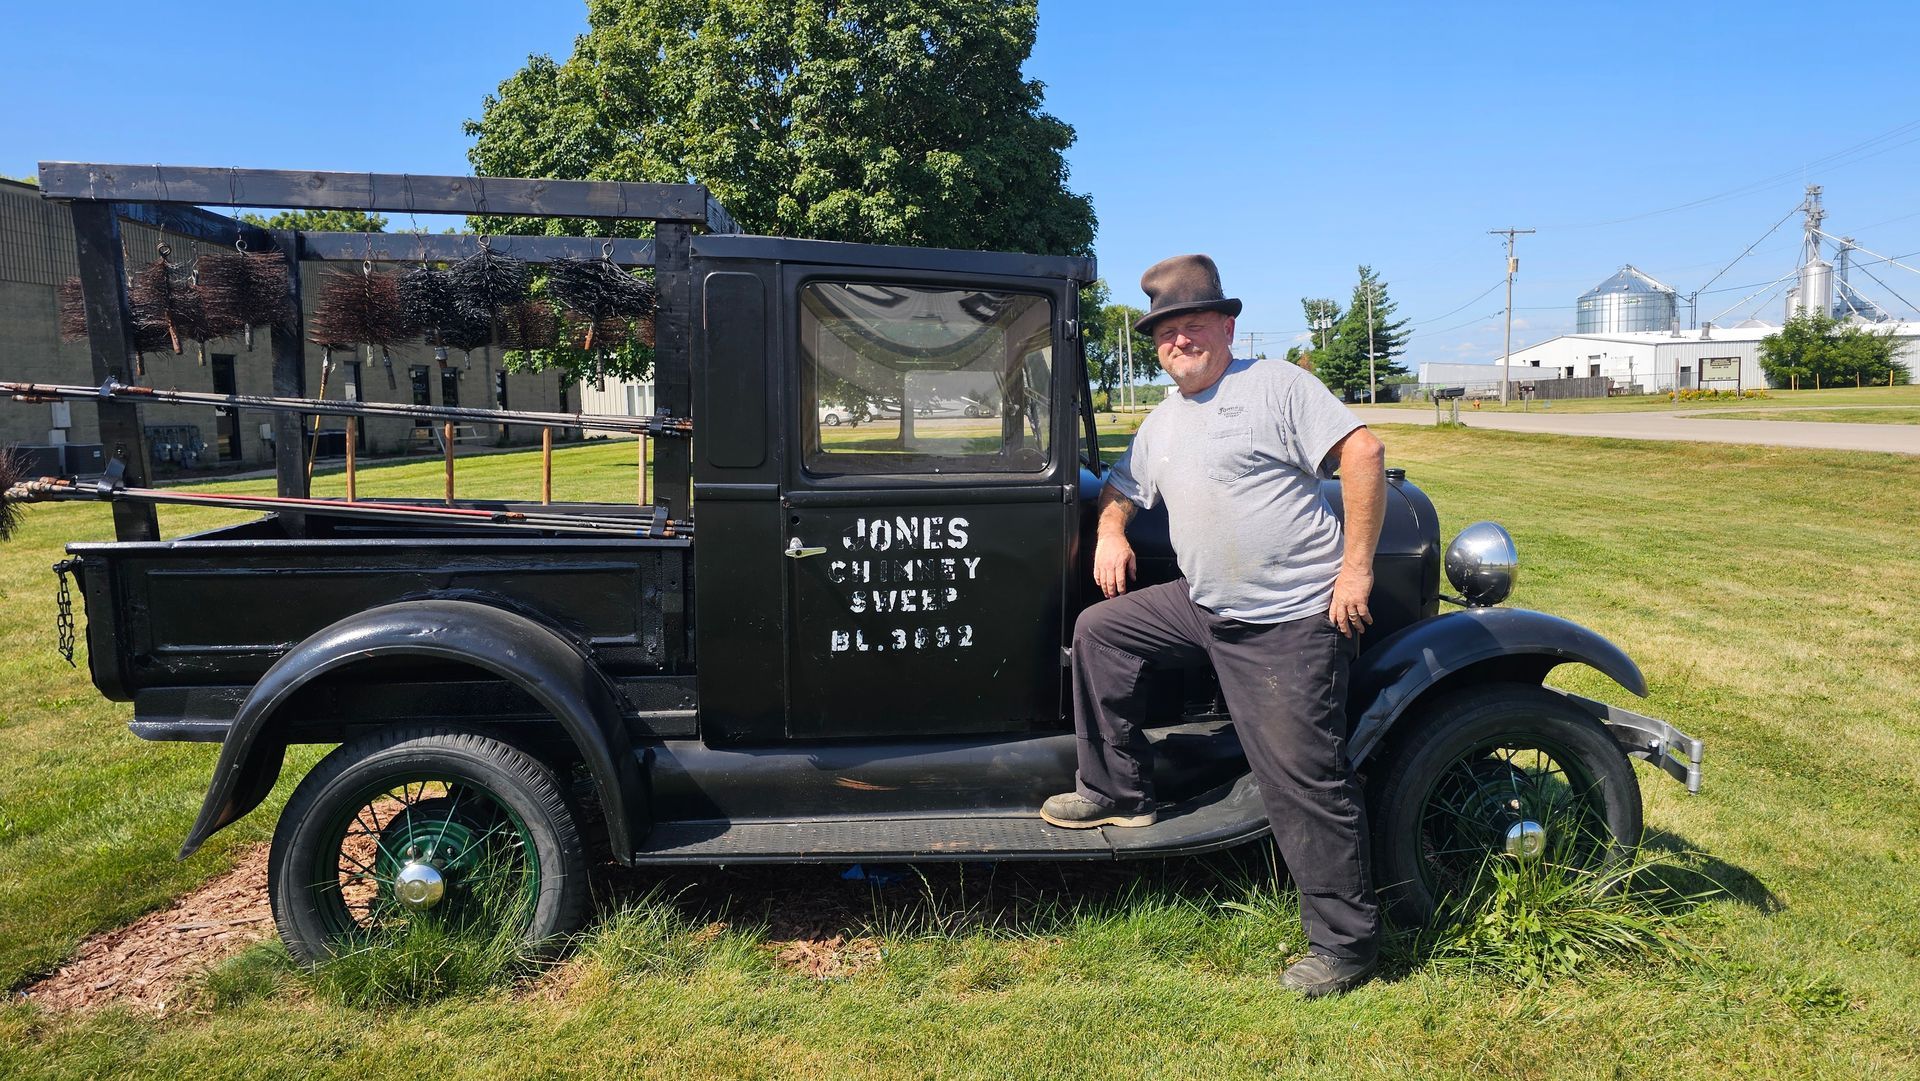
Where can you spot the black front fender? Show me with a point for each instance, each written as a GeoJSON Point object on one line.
{"type": "Point", "coordinates": [1392, 675]}
{"type": "Point", "coordinates": [556, 672]}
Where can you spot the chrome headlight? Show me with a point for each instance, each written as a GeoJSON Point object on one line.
{"type": "Point", "coordinates": [1483, 564]}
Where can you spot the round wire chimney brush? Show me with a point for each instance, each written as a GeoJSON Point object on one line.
{"type": "Point", "coordinates": [147, 337]}
{"type": "Point", "coordinates": [529, 325]}
{"type": "Point", "coordinates": [612, 304]}
{"type": "Point", "coordinates": [488, 282]}
{"type": "Point", "coordinates": [13, 470]}
{"type": "Point", "coordinates": [431, 303]}
{"type": "Point", "coordinates": [163, 294]}
{"type": "Point", "coordinates": [363, 308]}
{"type": "Point", "coordinates": [244, 289]}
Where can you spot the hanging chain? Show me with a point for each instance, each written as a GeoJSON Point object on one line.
{"type": "Point", "coordinates": [63, 618]}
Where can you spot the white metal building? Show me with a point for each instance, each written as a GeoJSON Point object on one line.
{"type": "Point", "coordinates": [1714, 358]}
{"type": "Point", "coordinates": [620, 398]}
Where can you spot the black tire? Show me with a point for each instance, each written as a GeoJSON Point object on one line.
{"type": "Point", "coordinates": [516, 850]}
{"type": "Point", "coordinates": [833, 420]}
{"type": "Point", "coordinates": [1472, 765]}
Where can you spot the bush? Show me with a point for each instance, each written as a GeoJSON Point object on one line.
{"type": "Point", "coordinates": [1692, 395]}
{"type": "Point", "coordinates": [1535, 918]}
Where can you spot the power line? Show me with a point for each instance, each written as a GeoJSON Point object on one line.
{"type": "Point", "coordinates": [1489, 317]}
{"type": "Point", "coordinates": [1750, 247]}
{"type": "Point", "coordinates": [1885, 286]}
{"type": "Point", "coordinates": [1829, 161]}
{"type": "Point", "coordinates": [1777, 281]}
{"type": "Point", "coordinates": [1463, 307]}
{"type": "Point", "coordinates": [1875, 254]}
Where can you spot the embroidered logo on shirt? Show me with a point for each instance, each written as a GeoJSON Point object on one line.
{"type": "Point", "coordinates": [1230, 410]}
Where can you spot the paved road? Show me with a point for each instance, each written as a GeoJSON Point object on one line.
{"type": "Point", "coordinates": [1893, 438]}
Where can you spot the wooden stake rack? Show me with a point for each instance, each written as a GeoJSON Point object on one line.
{"type": "Point", "coordinates": [174, 198]}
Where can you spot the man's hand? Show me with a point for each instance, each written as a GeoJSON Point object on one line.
{"type": "Point", "coordinates": [1112, 564]}
{"type": "Point", "coordinates": [1349, 608]}
{"type": "Point", "coordinates": [1112, 556]}
{"type": "Point", "coordinates": [1362, 462]}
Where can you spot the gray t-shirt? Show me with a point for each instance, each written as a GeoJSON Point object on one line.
{"type": "Point", "coordinates": [1238, 466]}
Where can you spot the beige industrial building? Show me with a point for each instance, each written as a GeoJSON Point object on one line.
{"type": "Point", "coordinates": [37, 254]}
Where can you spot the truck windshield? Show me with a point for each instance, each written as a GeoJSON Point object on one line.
{"type": "Point", "coordinates": [916, 379]}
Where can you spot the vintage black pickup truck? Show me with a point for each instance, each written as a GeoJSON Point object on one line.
{"type": "Point", "coordinates": [860, 658]}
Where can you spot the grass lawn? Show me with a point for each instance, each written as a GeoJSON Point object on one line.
{"type": "Point", "coordinates": [1905, 395]}
{"type": "Point", "coordinates": [1763, 590]}
{"type": "Point", "coordinates": [1892, 414]}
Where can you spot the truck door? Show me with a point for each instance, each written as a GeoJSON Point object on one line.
{"type": "Point", "coordinates": [929, 502]}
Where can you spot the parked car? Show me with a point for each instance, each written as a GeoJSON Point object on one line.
{"type": "Point", "coordinates": [835, 415]}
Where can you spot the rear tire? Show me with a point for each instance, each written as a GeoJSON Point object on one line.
{"type": "Point", "coordinates": [1477, 763]}
{"type": "Point", "coordinates": [490, 820]}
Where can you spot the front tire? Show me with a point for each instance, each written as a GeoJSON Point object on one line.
{"type": "Point", "coordinates": [1474, 771]}
{"type": "Point", "coordinates": [425, 823]}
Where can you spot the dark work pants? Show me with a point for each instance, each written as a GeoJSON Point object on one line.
{"type": "Point", "coordinates": [1286, 686]}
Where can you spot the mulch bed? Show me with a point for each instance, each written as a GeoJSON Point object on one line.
{"type": "Point", "coordinates": [152, 963]}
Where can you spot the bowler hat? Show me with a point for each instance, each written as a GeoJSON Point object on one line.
{"type": "Point", "coordinates": [1184, 283]}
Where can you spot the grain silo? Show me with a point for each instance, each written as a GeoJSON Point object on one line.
{"type": "Point", "coordinates": [1628, 301]}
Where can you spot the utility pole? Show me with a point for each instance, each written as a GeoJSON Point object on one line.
{"type": "Point", "coordinates": [1370, 379]}
{"type": "Point", "coordinates": [1506, 354]}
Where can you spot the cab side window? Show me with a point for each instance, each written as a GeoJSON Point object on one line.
{"type": "Point", "coordinates": [920, 379]}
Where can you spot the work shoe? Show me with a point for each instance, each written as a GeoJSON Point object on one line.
{"type": "Point", "coordinates": [1316, 975]}
{"type": "Point", "coordinates": [1071, 810]}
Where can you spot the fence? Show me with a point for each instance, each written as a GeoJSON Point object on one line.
{"type": "Point", "coordinates": [1597, 386]}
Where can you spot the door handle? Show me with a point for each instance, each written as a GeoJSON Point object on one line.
{"type": "Point", "coordinates": [796, 550]}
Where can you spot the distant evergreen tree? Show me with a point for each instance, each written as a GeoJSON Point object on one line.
{"type": "Point", "coordinates": [1342, 366]}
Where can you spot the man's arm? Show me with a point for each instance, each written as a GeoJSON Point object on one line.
{"type": "Point", "coordinates": [1361, 460]}
{"type": "Point", "coordinates": [1113, 564]}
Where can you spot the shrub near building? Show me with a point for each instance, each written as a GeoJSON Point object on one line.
{"type": "Point", "coordinates": [1816, 350]}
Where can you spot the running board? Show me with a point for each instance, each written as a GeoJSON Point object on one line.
{"type": "Point", "coordinates": [1226, 816]}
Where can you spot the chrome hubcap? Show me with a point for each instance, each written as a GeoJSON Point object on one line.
{"type": "Point", "coordinates": [1526, 839]}
{"type": "Point", "coordinates": [420, 886]}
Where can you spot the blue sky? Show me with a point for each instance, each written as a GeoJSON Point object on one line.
{"type": "Point", "coordinates": [1291, 143]}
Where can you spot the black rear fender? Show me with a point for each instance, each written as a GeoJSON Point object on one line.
{"type": "Point", "coordinates": [1474, 645]}
{"type": "Point", "coordinates": [556, 672]}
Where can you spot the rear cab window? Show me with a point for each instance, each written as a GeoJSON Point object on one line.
{"type": "Point", "coordinates": [903, 378]}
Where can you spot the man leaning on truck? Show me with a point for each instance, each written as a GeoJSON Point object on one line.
{"type": "Point", "coordinates": [1273, 592]}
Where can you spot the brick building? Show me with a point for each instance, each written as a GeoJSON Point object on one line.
{"type": "Point", "coordinates": [37, 254]}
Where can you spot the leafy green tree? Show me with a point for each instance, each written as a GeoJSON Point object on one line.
{"type": "Point", "coordinates": [1097, 335]}
{"type": "Point", "coordinates": [1322, 314]}
{"type": "Point", "coordinates": [1342, 366]}
{"type": "Point", "coordinates": [1814, 349]}
{"type": "Point", "coordinates": [1105, 331]}
{"type": "Point", "coordinates": [321, 221]}
{"type": "Point", "coordinates": [885, 121]}
{"type": "Point", "coordinates": [903, 122]}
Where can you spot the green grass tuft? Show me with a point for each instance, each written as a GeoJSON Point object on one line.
{"type": "Point", "coordinates": [428, 961]}
{"type": "Point", "coordinates": [1531, 919]}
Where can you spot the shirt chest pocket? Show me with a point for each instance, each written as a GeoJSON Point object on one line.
{"type": "Point", "coordinates": [1230, 452]}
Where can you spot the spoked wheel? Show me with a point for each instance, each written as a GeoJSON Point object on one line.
{"type": "Point", "coordinates": [425, 824]}
{"type": "Point", "coordinates": [1508, 769]}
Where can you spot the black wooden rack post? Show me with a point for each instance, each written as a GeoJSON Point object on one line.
{"type": "Point", "coordinates": [174, 198]}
